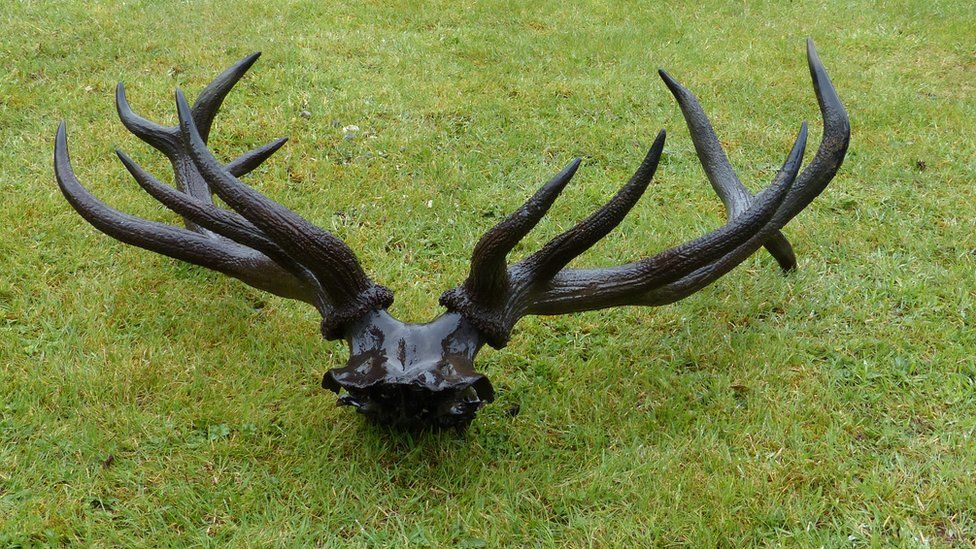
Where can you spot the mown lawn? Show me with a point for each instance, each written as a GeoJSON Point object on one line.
{"type": "Point", "coordinates": [147, 402]}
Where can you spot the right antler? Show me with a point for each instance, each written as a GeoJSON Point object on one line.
{"type": "Point", "coordinates": [495, 295]}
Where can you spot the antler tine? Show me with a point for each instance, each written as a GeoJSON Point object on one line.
{"type": "Point", "coordinates": [166, 138]}
{"type": "Point", "coordinates": [208, 102]}
{"type": "Point", "coordinates": [733, 194]}
{"type": "Point", "coordinates": [836, 132]}
{"type": "Point", "coordinates": [249, 161]}
{"type": "Point", "coordinates": [559, 251]}
{"type": "Point", "coordinates": [162, 138]}
{"type": "Point", "coordinates": [489, 272]}
{"type": "Point", "coordinates": [572, 290]}
{"type": "Point", "coordinates": [169, 141]}
{"type": "Point", "coordinates": [223, 256]}
{"type": "Point", "coordinates": [350, 292]}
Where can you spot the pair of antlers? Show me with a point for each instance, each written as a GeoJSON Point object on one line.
{"type": "Point", "coordinates": [274, 249]}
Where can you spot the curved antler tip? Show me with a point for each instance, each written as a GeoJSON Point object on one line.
{"type": "Point", "coordinates": [653, 156]}
{"type": "Point", "coordinates": [569, 171]}
{"type": "Point", "coordinates": [182, 107]}
{"type": "Point", "coordinates": [801, 137]}
{"type": "Point", "coordinates": [62, 161]}
{"type": "Point", "coordinates": [817, 69]}
{"type": "Point", "coordinates": [801, 143]}
{"type": "Point", "coordinates": [185, 114]}
{"type": "Point", "coordinates": [830, 104]}
{"type": "Point", "coordinates": [657, 148]}
{"type": "Point", "coordinates": [671, 83]}
{"type": "Point", "coordinates": [121, 103]}
{"type": "Point", "coordinates": [120, 98]}
{"type": "Point", "coordinates": [134, 169]}
{"type": "Point", "coordinates": [61, 140]}
{"type": "Point", "coordinates": [679, 92]}
{"type": "Point", "coordinates": [245, 64]}
{"type": "Point", "coordinates": [812, 55]}
{"type": "Point", "coordinates": [564, 175]}
{"type": "Point", "coordinates": [129, 164]}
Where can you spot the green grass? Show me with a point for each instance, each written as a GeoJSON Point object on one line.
{"type": "Point", "coordinates": [144, 401]}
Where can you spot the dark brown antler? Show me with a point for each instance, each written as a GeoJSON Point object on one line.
{"type": "Point", "coordinates": [262, 243]}
{"type": "Point", "coordinates": [495, 295]}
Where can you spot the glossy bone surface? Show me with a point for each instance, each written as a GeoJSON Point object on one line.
{"type": "Point", "coordinates": [401, 373]}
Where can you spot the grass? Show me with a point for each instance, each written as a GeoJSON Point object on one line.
{"type": "Point", "coordinates": [147, 402]}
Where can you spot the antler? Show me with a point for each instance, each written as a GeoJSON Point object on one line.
{"type": "Point", "coordinates": [263, 243]}
{"type": "Point", "coordinates": [495, 295]}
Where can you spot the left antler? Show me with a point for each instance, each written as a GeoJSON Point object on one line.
{"type": "Point", "coordinates": [496, 295]}
{"type": "Point", "coordinates": [261, 243]}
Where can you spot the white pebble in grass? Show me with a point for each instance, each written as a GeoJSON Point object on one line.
{"type": "Point", "coordinates": [430, 203]}
{"type": "Point", "coordinates": [350, 131]}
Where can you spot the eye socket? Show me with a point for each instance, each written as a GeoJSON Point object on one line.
{"type": "Point", "coordinates": [329, 382]}
{"type": "Point", "coordinates": [483, 388]}
{"type": "Point", "coordinates": [469, 395]}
